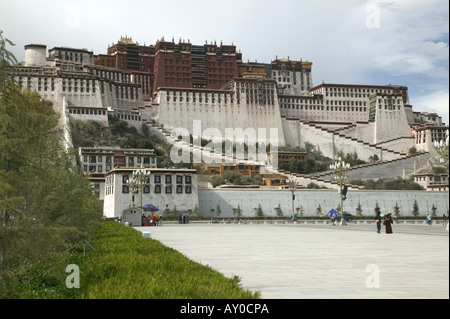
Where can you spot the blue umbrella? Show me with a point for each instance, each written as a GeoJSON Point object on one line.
{"type": "Point", "coordinates": [150, 207]}
{"type": "Point", "coordinates": [333, 212]}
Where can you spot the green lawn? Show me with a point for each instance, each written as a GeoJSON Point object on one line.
{"type": "Point", "coordinates": [126, 265]}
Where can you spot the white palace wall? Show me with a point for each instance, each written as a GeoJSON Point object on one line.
{"type": "Point", "coordinates": [297, 133]}
{"type": "Point", "coordinates": [218, 110]}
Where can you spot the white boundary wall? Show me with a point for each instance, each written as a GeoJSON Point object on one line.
{"type": "Point", "coordinates": [248, 200]}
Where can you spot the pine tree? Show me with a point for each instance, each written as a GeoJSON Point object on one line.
{"type": "Point", "coordinates": [279, 211]}
{"type": "Point", "coordinates": [415, 211]}
{"type": "Point", "coordinates": [433, 211]}
{"type": "Point", "coordinates": [377, 209]}
{"type": "Point", "coordinates": [239, 212]}
{"type": "Point", "coordinates": [259, 212]}
{"type": "Point", "coordinates": [396, 210]}
{"type": "Point", "coordinates": [359, 209]}
{"type": "Point", "coordinates": [218, 210]}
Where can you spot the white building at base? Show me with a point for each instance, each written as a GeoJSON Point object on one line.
{"type": "Point", "coordinates": [167, 189]}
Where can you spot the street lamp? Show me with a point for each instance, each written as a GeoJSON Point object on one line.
{"type": "Point", "coordinates": [441, 148]}
{"type": "Point", "coordinates": [292, 184]}
{"type": "Point", "coordinates": [133, 188]}
{"type": "Point", "coordinates": [137, 182]}
{"type": "Point", "coordinates": [341, 169]}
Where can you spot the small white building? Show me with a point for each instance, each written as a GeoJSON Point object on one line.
{"type": "Point", "coordinates": [103, 159]}
{"type": "Point", "coordinates": [432, 182]}
{"type": "Point", "coordinates": [165, 188]}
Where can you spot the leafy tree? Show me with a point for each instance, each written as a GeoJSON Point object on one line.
{"type": "Point", "coordinates": [233, 178]}
{"type": "Point", "coordinates": [46, 204]}
{"type": "Point", "coordinates": [217, 181]}
{"type": "Point", "coordinates": [7, 60]}
{"type": "Point", "coordinates": [374, 158]}
{"type": "Point", "coordinates": [412, 151]}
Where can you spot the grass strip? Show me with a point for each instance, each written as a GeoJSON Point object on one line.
{"type": "Point", "coordinates": [127, 266]}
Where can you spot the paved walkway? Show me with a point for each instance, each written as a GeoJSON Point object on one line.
{"type": "Point", "coordinates": [320, 261]}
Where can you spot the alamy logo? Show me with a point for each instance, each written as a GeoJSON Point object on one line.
{"type": "Point", "coordinates": [373, 279]}
{"type": "Point", "coordinates": [236, 145]}
{"type": "Point", "coordinates": [373, 16]}
{"type": "Point", "coordinates": [73, 280]}
{"type": "Point", "coordinates": [73, 17]}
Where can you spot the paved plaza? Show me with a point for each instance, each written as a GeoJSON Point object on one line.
{"type": "Point", "coordinates": [313, 261]}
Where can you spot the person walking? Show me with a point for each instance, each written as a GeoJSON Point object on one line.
{"type": "Point", "coordinates": [388, 222]}
{"type": "Point", "coordinates": [429, 220]}
{"type": "Point", "coordinates": [444, 220]}
{"type": "Point", "coordinates": [378, 221]}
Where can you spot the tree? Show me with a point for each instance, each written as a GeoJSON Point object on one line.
{"type": "Point", "coordinates": [396, 210]}
{"type": "Point", "coordinates": [359, 209]}
{"type": "Point", "coordinates": [218, 210]}
{"type": "Point", "coordinates": [7, 60]}
{"type": "Point", "coordinates": [195, 211]}
{"type": "Point", "coordinates": [238, 212]}
{"type": "Point", "coordinates": [279, 211]}
{"type": "Point", "coordinates": [217, 181]}
{"type": "Point", "coordinates": [415, 211]}
{"type": "Point", "coordinates": [319, 210]}
{"type": "Point", "coordinates": [302, 211]}
{"type": "Point", "coordinates": [412, 151]}
{"type": "Point", "coordinates": [46, 204]}
{"type": "Point", "coordinates": [374, 158]}
{"type": "Point", "coordinates": [377, 209]}
{"type": "Point", "coordinates": [174, 212]}
{"type": "Point", "coordinates": [259, 212]}
{"type": "Point", "coordinates": [433, 211]}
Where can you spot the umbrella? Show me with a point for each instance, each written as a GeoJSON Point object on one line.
{"type": "Point", "coordinates": [333, 212]}
{"type": "Point", "coordinates": [150, 207]}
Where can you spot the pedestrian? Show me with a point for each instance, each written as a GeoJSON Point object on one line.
{"type": "Point", "coordinates": [429, 221]}
{"type": "Point", "coordinates": [388, 222]}
{"type": "Point", "coordinates": [378, 221]}
{"type": "Point", "coordinates": [153, 220]}
{"type": "Point", "coordinates": [444, 219]}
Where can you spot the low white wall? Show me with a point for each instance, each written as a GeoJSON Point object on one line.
{"type": "Point", "coordinates": [248, 200]}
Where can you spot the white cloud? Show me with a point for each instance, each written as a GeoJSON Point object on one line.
{"type": "Point", "coordinates": [436, 102]}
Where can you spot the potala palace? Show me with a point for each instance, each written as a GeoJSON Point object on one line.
{"type": "Point", "coordinates": [169, 85]}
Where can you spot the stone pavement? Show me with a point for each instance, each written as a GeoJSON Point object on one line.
{"type": "Point", "coordinates": [287, 261]}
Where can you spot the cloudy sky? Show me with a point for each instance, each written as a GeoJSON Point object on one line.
{"type": "Point", "coordinates": [404, 42]}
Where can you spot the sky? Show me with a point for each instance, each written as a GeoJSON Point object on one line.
{"type": "Point", "coordinates": [401, 42]}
